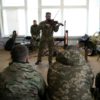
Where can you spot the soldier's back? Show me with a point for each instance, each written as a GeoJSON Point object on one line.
{"type": "Point", "coordinates": [21, 82]}
{"type": "Point", "coordinates": [70, 80]}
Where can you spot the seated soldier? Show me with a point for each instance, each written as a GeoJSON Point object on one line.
{"type": "Point", "coordinates": [70, 77]}
{"type": "Point", "coordinates": [19, 81]}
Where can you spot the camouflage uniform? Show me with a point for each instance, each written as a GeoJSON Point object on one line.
{"type": "Point", "coordinates": [19, 81]}
{"type": "Point", "coordinates": [47, 38]}
{"type": "Point", "coordinates": [70, 77]}
{"type": "Point", "coordinates": [35, 32]}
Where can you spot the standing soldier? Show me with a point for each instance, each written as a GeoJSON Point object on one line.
{"type": "Point", "coordinates": [47, 28]}
{"type": "Point", "coordinates": [35, 33]}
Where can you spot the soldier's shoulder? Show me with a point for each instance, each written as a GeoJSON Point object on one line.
{"type": "Point", "coordinates": [31, 26]}
{"type": "Point", "coordinates": [42, 22]}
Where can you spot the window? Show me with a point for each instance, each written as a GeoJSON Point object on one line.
{"type": "Point", "coordinates": [50, 2]}
{"type": "Point", "coordinates": [82, 16]}
{"type": "Point", "coordinates": [13, 2]}
{"type": "Point", "coordinates": [75, 2]}
{"type": "Point", "coordinates": [14, 20]}
{"type": "Point", "coordinates": [32, 13]}
{"type": "Point", "coordinates": [76, 21]}
{"type": "Point", "coordinates": [94, 19]}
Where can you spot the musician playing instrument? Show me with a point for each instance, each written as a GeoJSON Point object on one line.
{"type": "Point", "coordinates": [47, 28]}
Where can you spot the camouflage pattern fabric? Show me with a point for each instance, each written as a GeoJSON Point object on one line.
{"type": "Point", "coordinates": [35, 32]}
{"type": "Point", "coordinates": [70, 77]}
{"type": "Point", "coordinates": [47, 38]}
{"type": "Point", "coordinates": [19, 81]}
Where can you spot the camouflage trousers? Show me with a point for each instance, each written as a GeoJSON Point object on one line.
{"type": "Point", "coordinates": [50, 44]}
{"type": "Point", "coordinates": [34, 43]}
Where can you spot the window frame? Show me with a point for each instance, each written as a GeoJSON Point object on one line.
{"type": "Point", "coordinates": [39, 11]}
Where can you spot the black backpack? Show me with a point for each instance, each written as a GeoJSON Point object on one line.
{"type": "Point", "coordinates": [11, 42]}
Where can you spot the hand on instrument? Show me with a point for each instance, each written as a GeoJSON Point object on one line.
{"type": "Point", "coordinates": [48, 25]}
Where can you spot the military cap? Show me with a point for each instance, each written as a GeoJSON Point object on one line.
{"type": "Point", "coordinates": [70, 56]}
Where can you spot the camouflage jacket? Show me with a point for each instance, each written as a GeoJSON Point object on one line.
{"type": "Point", "coordinates": [47, 32]}
{"type": "Point", "coordinates": [35, 32]}
{"type": "Point", "coordinates": [19, 81]}
{"type": "Point", "coordinates": [71, 80]}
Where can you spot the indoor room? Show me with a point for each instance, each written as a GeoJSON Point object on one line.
{"type": "Point", "coordinates": [51, 30]}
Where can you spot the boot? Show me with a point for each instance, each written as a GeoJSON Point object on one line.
{"type": "Point", "coordinates": [50, 62]}
{"type": "Point", "coordinates": [37, 62]}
